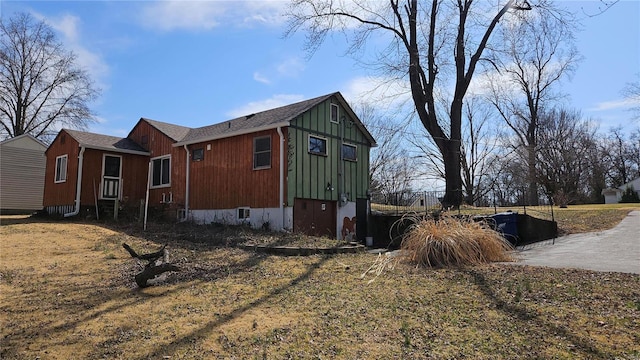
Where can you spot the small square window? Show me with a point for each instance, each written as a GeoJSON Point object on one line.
{"type": "Point", "coordinates": [317, 146]}
{"type": "Point", "coordinates": [198, 154]}
{"type": "Point", "coordinates": [349, 152]}
{"type": "Point", "coordinates": [244, 213]}
{"type": "Point", "coordinates": [334, 113]}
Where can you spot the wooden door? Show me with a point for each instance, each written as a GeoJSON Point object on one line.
{"type": "Point", "coordinates": [111, 175]}
{"type": "Point", "coordinates": [314, 217]}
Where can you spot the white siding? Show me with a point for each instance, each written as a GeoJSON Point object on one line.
{"type": "Point", "coordinates": [22, 169]}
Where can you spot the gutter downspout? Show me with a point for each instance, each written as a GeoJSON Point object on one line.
{"type": "Point", "coordinates": [279, 129]}
{"type": "Point", "coordinates": [78, 185]}
{"type": "Point", "coordinates": [186, 191]}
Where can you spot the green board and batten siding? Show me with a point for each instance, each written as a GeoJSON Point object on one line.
{"type": "Point", "coordinates": [308, 173]}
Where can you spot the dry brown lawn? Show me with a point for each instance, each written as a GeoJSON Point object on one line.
{"type": "Point", "coordinates": [67, 292]}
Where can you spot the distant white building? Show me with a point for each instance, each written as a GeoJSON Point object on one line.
{"type": "Point", "coordinates": [614, 195]}
{"type": "Point", "coordinates": [22, 168]}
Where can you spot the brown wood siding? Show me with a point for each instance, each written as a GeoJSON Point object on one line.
{"type": "Point", "coordinates": [158, 144]}
{"type": "Point", "coordinates": [225, 178]}
{"type": "Point", "coordinates": [133, 176]}
{"type": "Point", "coordinates": [61, 193]}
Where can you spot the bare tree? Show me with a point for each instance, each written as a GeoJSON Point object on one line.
{"type": "Point", "coordinates": [538, 52]}
{"type": "Point", "coordinates": [42, 88]}
{"type": "Point", "coordinates": [480, 142]}
{"type": "Point", "coordinates": [622, 152]}
{"type": "Point", "coordinates": [632, 92]}
{"type": "Point", "coordinates": [392, 170]}
{"type": "Point", "coordinates": [433, 45]}
{"type": "Point", "coordinates": [563, 163]}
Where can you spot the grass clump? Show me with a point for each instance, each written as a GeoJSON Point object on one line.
{"type": "Point", "coordinates": [450, 241]}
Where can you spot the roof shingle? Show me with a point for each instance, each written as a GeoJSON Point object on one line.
{"type": "Point", "coordinates": [105, 142]}
{"type": "Point", "coordinates": [250, 122]}
{"type": "Point", "coordinates": [175, 132]}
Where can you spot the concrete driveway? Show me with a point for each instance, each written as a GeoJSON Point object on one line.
{"type": "Point", "coordinates": [613, 250]}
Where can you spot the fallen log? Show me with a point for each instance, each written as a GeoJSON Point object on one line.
{"type": "Point", "coordinates": [151, 272]}
{"type": "Point", "coordinates": [155, 266]}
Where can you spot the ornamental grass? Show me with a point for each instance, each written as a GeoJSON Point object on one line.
{"type": "Point", "coordinates": [450, 241]}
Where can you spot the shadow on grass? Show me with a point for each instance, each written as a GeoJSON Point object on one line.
{"type": "Point", "coordinates": [6, 220]}
{"type": "Point", "coordinates": [520, 312]}
{"type": "Point", "coordinates": [209, 327]}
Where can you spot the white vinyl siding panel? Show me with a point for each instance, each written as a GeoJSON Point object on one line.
{"type": "Point", "coordinates": [22, 178]}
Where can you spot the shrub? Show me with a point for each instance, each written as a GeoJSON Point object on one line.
{"type": "Point", "coordinates": [450, 241]}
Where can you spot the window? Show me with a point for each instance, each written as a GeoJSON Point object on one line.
{"type": "Point", "coordinates": [334, 113]}
{"type": "Point", "coordinates": [317, 146]}
{"type": "Point", "coordinates": [111, 165]}
{"type": "Point", "coordinates": [262, 152]}
{"type": "Point", "coordinates": [349, 152]}
{"type": "Point", "coordinates": [198, 154]}
{"type": "Point", "coordinates": [61, 169]}
{"type": "Point", "coordinates": [161, 171]}
{"type": "Point", "coordinates": [144, 141]}
{"type": "Point", "coordinates": [243, 213]}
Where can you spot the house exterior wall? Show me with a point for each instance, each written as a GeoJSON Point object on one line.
{"type": "Point", "coordinates": [158, 144]}
{"type": "Point", "coordinates": [225, 178]}
{"type": "Point", "coordinates": [60, 197]}
{"type": "Point", "coordinates": [22, 174]}
{"type": "Point", "coordinates": [309, 174]}
{"type": "Point", "coordinates": [133, 176]}
{"type": "Point", "coordinates": [61, 194]}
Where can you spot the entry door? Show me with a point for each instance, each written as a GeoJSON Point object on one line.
{"type": "Point", "coordinates": [111, 176]}
{"type": "Point", "coordinates": [314, 217]}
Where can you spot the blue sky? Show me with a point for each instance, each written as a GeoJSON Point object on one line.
{"type": "Point", "coordinates": [197, 63]}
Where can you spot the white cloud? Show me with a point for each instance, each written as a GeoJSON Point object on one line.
{"type": "Point", "coordinates": [266, 104]}
{"type": "Point", "coordinates": [69, 27]}
{"type": "Point", "coordinates": [208, 14]}
{"type": "Point", "coordinates": [291, 67]}
{"type": "Point", "coordinates": [619, 104]}
{"type": "Point", "coordinates": [260, 78]}
{"type": "Point", "coordinates": [379, 92]}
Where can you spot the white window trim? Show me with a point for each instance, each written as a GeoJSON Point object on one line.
{"type": "Point", "coordinates": [337, 120]}
{"type": "Point", "coordinates": [58, 178]}
{"type": "Point", "coordinates": [326, 145]}
{"type": "Point", "coordinates": [254, 152]}
{"type": "Point", "coordinates": [104, 157]}
{"type": "Point", "coordinates": [353, 146]}
{"type": "Point", "coordinates": [152, 170]}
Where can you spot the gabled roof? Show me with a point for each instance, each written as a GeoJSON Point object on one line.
{"type": "Point", "coordinates": [264, 120]}
{"type": "Point", "coordinates": [175, 132]}
{"type": "Point", "coordinates": [20, 138]}
{"type": "Point", "coordinates": [106, 142]}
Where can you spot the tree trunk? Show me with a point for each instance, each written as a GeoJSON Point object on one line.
{"type": "Point", "coordinates": [154, 267]}
{"type": "Point", "coordinates": [453, 180]}
{"type": "Point", "coordinates": [151, 272]}
{"type": "Point", "coordinates": [532, 196]}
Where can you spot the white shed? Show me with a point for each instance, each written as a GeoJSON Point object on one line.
{"type": "Point", "coordinates": [613, 196]}
{"type": "Point", "coordinates": [22, 169]}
